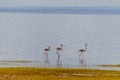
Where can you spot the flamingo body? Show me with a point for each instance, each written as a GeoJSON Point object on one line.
{"type": "Point", "coordinates": [60, 48]}
{"type": "Point", "coordinates": [82, 50]}
{"type": "Point", "coordinates": [47, 49]}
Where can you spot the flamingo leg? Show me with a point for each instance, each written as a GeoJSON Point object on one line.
{"type": "Point", "coordinates": [58, 53]}
{"type": "Point", "coordinates": [81, 58]}
{"type": "Point", "coordinates": [46, 56]}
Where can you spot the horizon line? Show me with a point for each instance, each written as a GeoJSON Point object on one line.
{"type": "Point", "coordinates": [61, 10]}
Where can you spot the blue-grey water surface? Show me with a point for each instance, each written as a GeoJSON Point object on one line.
{"type": "Point", "coordinates": [24, 37]}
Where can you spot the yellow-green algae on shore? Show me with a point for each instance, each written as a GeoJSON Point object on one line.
{"type": "Point", "coordinates": [28, 73]}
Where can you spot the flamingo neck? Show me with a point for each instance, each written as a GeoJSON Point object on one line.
{"type": "Point", "coordinates": [49, 48]}
{"type": "Point", "coordinates": [61, 46]}
{"type": "Point", "coordinates": [86, 47]}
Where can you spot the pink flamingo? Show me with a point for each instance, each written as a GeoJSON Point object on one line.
{"type": "Point", "coordinates": [46, 50]}
{"type": "Point", "coordinates": [58, 50]}
{"type": "Point", "coordinates": [82, 51]}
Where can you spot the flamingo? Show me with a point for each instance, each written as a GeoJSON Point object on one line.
{"type": "Point", "coordinates": [82, 51]}
{"type": "Point", "coordinates": [46, 50]}
{"type": "Point", "coordinates": [58, 49]}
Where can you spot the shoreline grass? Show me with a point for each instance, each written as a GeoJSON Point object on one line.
{"type": "Point", "coordinates": [32, 73]}
{"type": "Point", "coordinates": [110, 65]}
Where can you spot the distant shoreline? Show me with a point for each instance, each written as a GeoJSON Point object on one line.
{"type": "Point", "coordinates": [61, 10]}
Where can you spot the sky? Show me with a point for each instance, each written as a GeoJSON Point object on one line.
{"type": "Point", "coordinates": [59, 3]}
{"type": "Point", "coordinates": [23, 36]}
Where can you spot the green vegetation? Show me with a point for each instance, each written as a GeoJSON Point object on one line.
{"type": "Point", "coordinates": [17, 61]}
{"type": "Point", "coordinates": [27, 73]}
{"type": "Point", "coordinates": [110, 65]}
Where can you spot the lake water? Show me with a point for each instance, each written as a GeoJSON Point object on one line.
{"type": "Point", "coordinates": [24, 37]}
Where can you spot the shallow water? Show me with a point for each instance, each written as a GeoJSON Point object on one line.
{"type": "Point", "coordinates": [39, 64]}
